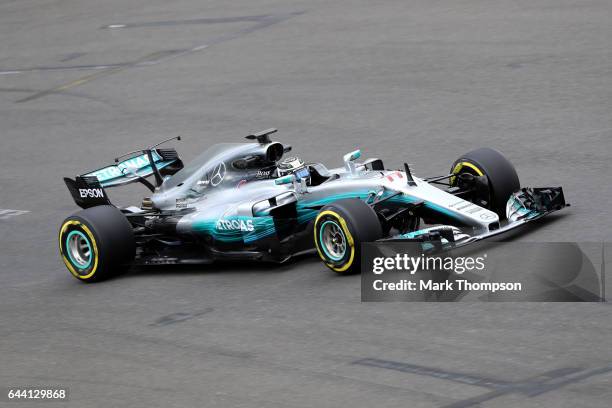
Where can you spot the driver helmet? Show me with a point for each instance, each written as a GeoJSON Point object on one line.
{"type": "Point", "coordinates": [293, 165]}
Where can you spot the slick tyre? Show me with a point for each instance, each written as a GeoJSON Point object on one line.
{"type": "Point", "coordinates": [96, 243]}
{"type": "Point", "coordinates": [339, 230]}
{"type": "Point", "coordinates": [500, 173]}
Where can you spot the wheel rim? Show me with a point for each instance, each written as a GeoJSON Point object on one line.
{"type": "Point", "coordinates": [333, 240]}
{"type": "Point", "coordinates": [79, 249]}
{"type": "Point", "coordinates": [467, 167]}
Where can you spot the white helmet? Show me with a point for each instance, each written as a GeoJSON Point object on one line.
{"type": "Point", "coordinates": [293, 165]}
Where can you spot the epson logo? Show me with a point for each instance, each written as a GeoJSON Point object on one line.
{"type": "Point", "coordinates": [235, 225]}
{"type": "Point", "coordinates": [91, 192]}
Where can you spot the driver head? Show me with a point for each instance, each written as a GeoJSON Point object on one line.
{"type": "Point", "coordinates": [293, 165]}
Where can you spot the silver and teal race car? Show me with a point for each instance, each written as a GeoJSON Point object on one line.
{"type": "Point", "coordinates": [247, 201]}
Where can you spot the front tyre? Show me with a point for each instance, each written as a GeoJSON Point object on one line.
{"type": "Point", "coordinates": [339, 230]}
{"type": "Point", "coordinates": [502, 179]}
{"type": "Point", "coordinates": [96, 243]}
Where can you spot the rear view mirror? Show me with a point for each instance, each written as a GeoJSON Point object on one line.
{"type": "Point", "coordinates": [349, 159]}
{"type": "Point", "coordinates": [352, 156]}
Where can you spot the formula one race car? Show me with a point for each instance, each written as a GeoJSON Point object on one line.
{"type": "Point", "coordinates": [243, 201]}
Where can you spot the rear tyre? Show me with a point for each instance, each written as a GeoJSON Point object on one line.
{"type": "Point", "coordinates": [500, 173]}
{"type": "Point", "coordinates": [339, 230]}
{"type": "Point", "coordinates": [96, 243]}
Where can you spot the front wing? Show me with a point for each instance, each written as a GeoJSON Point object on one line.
{"type": "Point", "coordinates": [524, 206]}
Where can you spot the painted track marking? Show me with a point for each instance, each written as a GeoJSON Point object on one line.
{"type": "Point", "coordinates": [6, 213]}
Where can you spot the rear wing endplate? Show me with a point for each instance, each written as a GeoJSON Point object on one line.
{"type": "Point", "coordinates": [86, 191]}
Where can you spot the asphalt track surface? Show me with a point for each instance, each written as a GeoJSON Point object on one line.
{"type": "Point", "coordinates": [420, 81]}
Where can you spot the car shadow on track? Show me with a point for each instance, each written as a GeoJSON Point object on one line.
{"type": "Point", "coordinates": [226, 267]}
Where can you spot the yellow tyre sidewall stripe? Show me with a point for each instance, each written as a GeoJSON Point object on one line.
{"type": "Point", "coordinates": [461, 165]}
{"type": "Point", "coordinates": [349, 239]}
{"type": "Point", "coordinates": [89, 234]}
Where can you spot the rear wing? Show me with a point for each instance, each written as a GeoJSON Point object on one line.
{"type": "Point", "coordinates": [87, 189]}
{"type": "Point", "coordinates": [136, 167]}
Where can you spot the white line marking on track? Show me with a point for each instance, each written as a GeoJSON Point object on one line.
{"type": "Point", "coordinates": [4, 213]}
